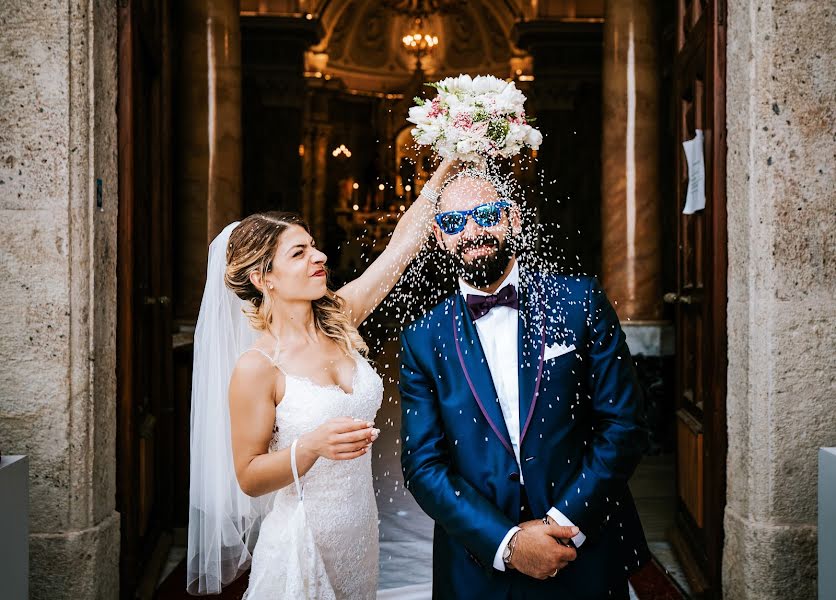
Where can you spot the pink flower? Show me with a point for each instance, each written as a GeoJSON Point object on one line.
{"type": "Point", "coordinates": [463, 121]}
{"type": "Point", "coordinates": [435, 109]}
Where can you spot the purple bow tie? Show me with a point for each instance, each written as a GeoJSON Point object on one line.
{"type": "Point", "coordinates": [480, 305]}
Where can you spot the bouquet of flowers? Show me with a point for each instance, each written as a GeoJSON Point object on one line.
{"type": "Point", "coordinates": [472, 118]}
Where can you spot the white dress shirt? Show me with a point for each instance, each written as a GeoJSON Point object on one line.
{"type": "Point", "coordinates": [498, 336]}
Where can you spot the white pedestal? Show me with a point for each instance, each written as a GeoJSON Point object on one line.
{"type": "Point", "coordinates": [827, 523]}
{"type": "Point", "coordinates": [649, 338]}
{"type": "Point", "coordinates": [14, 527]}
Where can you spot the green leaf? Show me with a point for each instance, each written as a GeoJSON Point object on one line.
{"type": "Point", "coordinates": [498, 130]}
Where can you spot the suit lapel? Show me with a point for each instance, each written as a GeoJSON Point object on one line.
{"type": "Point", "coordinates": [531, 345]}
{"type": "Point", "coordinates": [476, 371]}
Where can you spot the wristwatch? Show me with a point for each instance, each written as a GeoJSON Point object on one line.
{"type": "Point", "coordinates": [509, 549]}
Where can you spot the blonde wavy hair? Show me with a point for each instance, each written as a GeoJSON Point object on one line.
{"type": "Point", "coordinates": [252, 245]}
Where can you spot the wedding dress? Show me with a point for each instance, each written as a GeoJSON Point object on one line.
{"type": "Point", "coordinates": [320, 540]}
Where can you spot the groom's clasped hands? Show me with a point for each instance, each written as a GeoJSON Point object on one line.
{"type": "Point", "coordinates": [541, 550]}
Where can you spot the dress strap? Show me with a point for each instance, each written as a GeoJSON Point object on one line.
{"type": "Point", "coordinates": [268, 357]}
{"type": "Point", "coordinates": [299, 488]}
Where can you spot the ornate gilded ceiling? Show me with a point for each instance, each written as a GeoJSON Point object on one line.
{"type": "Point", "coordinates": [362, 44]}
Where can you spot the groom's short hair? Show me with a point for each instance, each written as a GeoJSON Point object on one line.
{"type": "Point", "coordinates": [463, 177]}
{"type": "Point", "coordinates": [500, 177]}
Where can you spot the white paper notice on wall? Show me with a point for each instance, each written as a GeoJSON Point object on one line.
{"type": "Point", "coordinates": [695, 198]}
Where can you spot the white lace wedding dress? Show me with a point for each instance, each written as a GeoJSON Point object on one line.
{"type": "Point", "coordinates": [320, 540]}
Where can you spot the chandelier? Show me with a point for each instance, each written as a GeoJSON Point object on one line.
{"type": "Point", "coordinates": [419, 41]}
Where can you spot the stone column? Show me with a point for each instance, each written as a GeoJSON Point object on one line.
{"type": "Point", "coordinates": [58, 286]}
{"type": "Point", "coordinates": [319, 151]}
{"type": "Point", "coordinates": [209, 150]}
{"type": "Point", "coordinates": [308, 173]}
{"type": "Point", "coordinates": [630, 212]}
{"type": "Point", "coordinates": [781, 406]}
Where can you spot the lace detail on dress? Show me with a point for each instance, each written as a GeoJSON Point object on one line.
{"type": "Point", "coordinates": [339, 510]}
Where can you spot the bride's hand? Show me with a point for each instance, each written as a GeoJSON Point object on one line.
{"type": "Point", "coordinates": [342, 438]}
{"type": "Point", "coordinates": [365, 293]}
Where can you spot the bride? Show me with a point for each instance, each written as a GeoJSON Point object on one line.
{"type": "Point", "coordinates": [283, 407]}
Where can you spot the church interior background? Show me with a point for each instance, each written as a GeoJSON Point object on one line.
{"type": "Point", "coordinates": [229, 107]}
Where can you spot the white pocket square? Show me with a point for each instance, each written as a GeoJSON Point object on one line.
{"type": "Point", "coordinates": [556, 350]}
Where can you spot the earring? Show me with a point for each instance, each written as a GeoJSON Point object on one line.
{"type": "Point", "coordinates": [269, 286]}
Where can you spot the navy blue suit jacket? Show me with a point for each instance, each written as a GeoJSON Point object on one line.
{"type": "Point", "coordinates": [582, 435]}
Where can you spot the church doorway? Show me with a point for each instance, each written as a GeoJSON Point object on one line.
{"type": "Point", "coordinates": [146, 416]}
{"type": "Point", "coordinates": [321, 130]}
{"type": "Point", "coordinates": [699, 297]}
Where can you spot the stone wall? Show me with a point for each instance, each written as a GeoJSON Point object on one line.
{"type": "Point", "coordinates": [781, 99]}
{"type": "Point", "coordinates": [58, 284]}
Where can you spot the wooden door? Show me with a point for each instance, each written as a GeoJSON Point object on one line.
{"type": "Point", "coordinates": [700, 297]}
{"type": "Point", "coordinates": [144, 372]}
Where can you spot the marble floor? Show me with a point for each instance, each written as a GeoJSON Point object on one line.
{"type": "Point", "coordinates": [176, 555]}
{"type": "Point", "coordinates": [653, 486]}
{"type": "Point", "coordinates": [406, 533]}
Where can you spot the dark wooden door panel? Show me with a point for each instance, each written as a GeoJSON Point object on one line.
{"type": "Point", "coordinates": [144, 372]}
{"type": "Point", "coordinates": [700, 295]}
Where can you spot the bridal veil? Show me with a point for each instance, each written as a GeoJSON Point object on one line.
{"type": "Point", "coordinates": [223, 520]}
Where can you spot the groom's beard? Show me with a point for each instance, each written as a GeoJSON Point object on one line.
{"type": "Point", "coordinates": [483, 270]}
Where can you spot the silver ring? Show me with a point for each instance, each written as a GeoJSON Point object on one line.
{"type": "Point", "coordinates": [555, 572]}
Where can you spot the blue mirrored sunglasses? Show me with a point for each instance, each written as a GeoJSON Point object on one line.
{"type": "Point", "coordinates": [484, 215]}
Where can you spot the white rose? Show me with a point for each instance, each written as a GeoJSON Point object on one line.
{"type": "Point", "coordinates": [453, 103]}
{"type": "Point", "coordinates": [512, 96]}
{"type": "Point", "coordinates": [463, 83]}
{"type": "Point", "coordinates": [453, 134]}
{"type": "Point", "coordinates": [447, 83]}
{"type": "Point", "coordinates": [481, 85]}
{"type": "Point", "coordinates": [509, 151]}
{"type": "Point", "coordinates": [499, 105]}
{"type": "Point", "coordinates": [422, 137]}
{"type": "Point", "coordinates": [427, 134]}
{"type": "Point", "coordinates": [488, 84]}
{"type": "Point", "coordinates": [516, 133]}
{"type": "Point", "coordinates": [465, 146]}
{"type": "Point", "coordinates": [456, 109]}
{"type": "Point", "coordinates": [533, 138]}
{"type": "Point", "coordinates": [445, 151]}
{"type": "Point", "coordinates": [418, 115]}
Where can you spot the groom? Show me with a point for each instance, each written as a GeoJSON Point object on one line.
{"type": "Point", "coordinates": [521, 420]}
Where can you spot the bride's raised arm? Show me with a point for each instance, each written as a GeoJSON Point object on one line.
{"type": "Point", "coordinates": [362, 295]}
